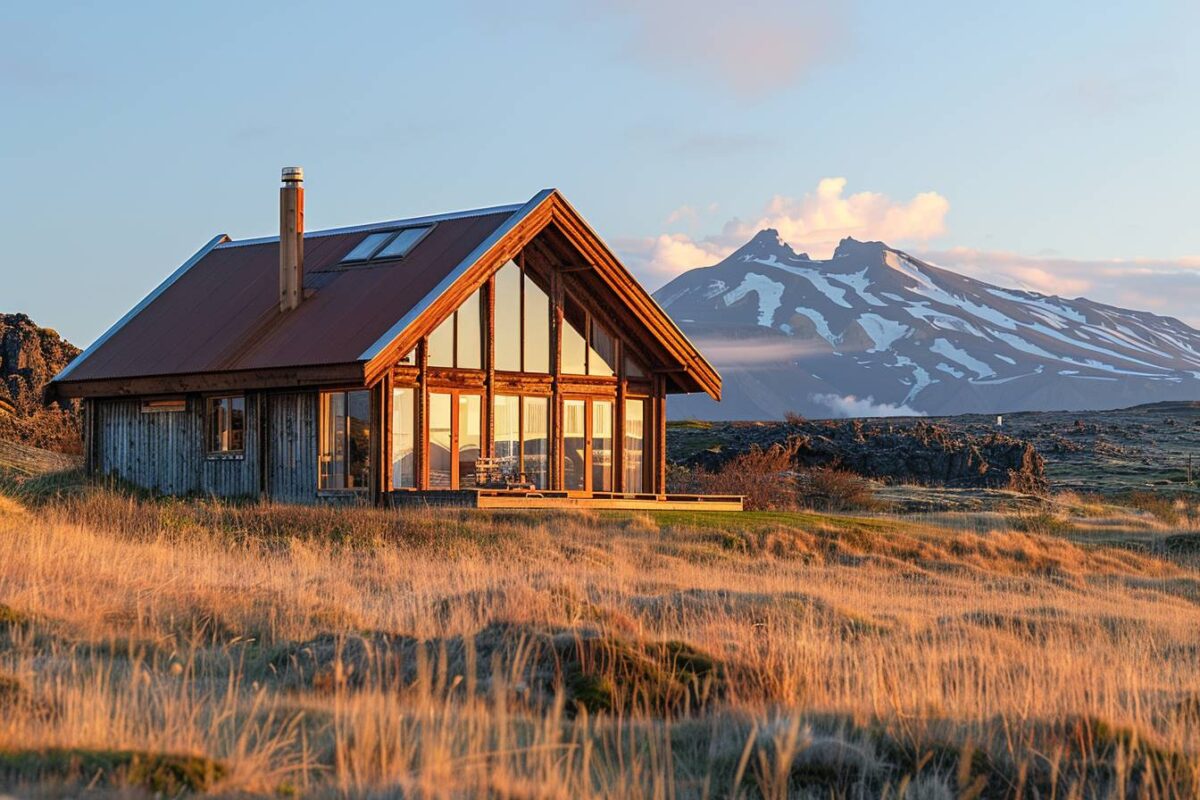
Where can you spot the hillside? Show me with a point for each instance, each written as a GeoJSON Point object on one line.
{"type": "Point", "coordinates": [30, 356]}
{"type": "Point", "coordinates": [874, 331]}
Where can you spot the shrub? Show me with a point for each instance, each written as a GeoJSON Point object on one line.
{"type": "Point", "coordinates": [832, 489]}
{"type": "Point", "coordinates": [763, 477]}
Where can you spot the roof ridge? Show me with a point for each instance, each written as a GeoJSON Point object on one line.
{"type": "Point", "coordinates": [384, 225]}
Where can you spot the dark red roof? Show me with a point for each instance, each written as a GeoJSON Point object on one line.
{"type": "Point", "coordinates": [222, 314]}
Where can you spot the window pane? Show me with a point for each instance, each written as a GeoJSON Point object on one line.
{"type": "Point", "coordinates": [439, 440]}
{"type": "Point", "coordinates": [574, 346]}
{"type": "Point", "coordinates": [537, 327]}
{"type": "Point", "coordinates": [469, 427]}
{"type": "Point", "coordinates": [574, 445]}
{"type": "Point", "coordinates": [507, 433]}
{"type": "Point", "coordinates": [635, 444]}
{"type": "Point", "coordinates": [602, 353]}
{"type": "Point", "coordinates": [536, 430]}
{"type": "Point", "coordinates": [366, 247]}
{"type": "Point", "coordinates": [214, 424]}
{"type": "Point", "coordinates": [237, 423]}
{"type": "Point", "coordinates": [358, 440]}
{"type": "Point", "coordinates": [508, 317]}
{"type": "Point", "coordinates": [410, 358]}
{"type": "Point", "coordinates": [602, 446]}
{"type": "Point", "coordinates": [333, 441]}
{"type": "Point", "coordinates": [470, 333]}
{"type": "Point", "coordinates": [403, 243]}
{"type": "Point", "coordinates": [441, 344]}
{"type": "Point", "coordinates": [404, 472]}
{"type": "Point", "coordinates": [633, 369]}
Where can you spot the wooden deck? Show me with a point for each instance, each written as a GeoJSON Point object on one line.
{"type": "Point", "coordinates": [515, 498]}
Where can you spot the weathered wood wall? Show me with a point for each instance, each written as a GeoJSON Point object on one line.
{"type": "Point", "coordinates": [292, 426]}
{"type": "Point", "coordinates": [164, 451]}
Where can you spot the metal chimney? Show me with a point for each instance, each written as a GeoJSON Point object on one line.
{"type": "Point", "coordinates": [291, 238]}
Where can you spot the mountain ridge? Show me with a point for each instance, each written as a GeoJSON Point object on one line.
{"type": "Point", "coordinates": [873, 330]}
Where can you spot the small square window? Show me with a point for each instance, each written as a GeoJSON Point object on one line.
{"type": "Point", "coordinates": [367, 247]}
{"type": "Point", "coordinates": [404, 242]}
{"type": "Point", "coordinates": [226, 425]}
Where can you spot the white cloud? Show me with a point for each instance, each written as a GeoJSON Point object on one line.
{"type": "Point", "coordinates": [851, 406]}
{"type": "Point", "coordinates": [820, 219]}
{"type": "Point", "coordinates": [753, 46]}
{"type": "Point", "coordinates": [814, 223]}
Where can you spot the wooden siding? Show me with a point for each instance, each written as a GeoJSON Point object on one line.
{"type": "Point", "coordinates": [165, 451]}
{"type": "Point", "coordinates": [292, 426]}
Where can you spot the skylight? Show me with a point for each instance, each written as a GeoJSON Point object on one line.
{"type": "Point", "coordinates": [387, 244]}
{"type": "Point", "coordinates": [404, 242]}
{"type": "Point", "coordinates": [367, 247]}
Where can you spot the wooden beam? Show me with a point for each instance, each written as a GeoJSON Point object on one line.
{"type": "Point", "coordinates": [238, 380]}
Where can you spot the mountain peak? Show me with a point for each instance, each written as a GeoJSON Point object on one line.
{"type": "Point", "coordinates": [853, 247]}
{"type": "Point", "coordinates": [769, 242]}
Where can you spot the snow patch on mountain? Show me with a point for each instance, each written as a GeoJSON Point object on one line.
{"type": "Point", "coordinates": [962, 357]}
{"type": "Point", "coordinates": [819, 322]}
{"type": "Point", "coordinates": [770, 295]}
{"type": "Point", "coordinates": [883, 332]}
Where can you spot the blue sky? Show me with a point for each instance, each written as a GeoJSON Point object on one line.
{"type": "Point", "coordinates": [1031, 144]}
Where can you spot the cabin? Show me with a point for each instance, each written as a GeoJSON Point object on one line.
{"type": "Point", "coordinates": [498, 357]}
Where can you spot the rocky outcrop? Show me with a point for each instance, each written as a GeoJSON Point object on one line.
{"type": "Point", "coordinates": [916, 452]}
{"type": "Point", "coordinates": [30, 356]}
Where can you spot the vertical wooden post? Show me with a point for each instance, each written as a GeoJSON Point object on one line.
{"type": "Point", "coordinates": [422, 429]}
{"type": "Point", "coordinates": [660, 434]}
{"type": "Point", "coordinates": [619, 434]}
{"type": "Point", "coordinates": [556, 405]}
{"type": "Point", "coordinates": [487, 446]}
{"type": "Point", "coordinates": [385, 438]}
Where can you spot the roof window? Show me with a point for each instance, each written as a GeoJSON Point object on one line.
{"type": "Point", "coordinates": [384, 245]}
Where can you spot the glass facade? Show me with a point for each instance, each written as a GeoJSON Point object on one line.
{"type": "Point", "coordinates": [404, 440]}
{"type": "Point", "coordinates": [521, 419]}
{"type": "Point", "coordinates": [602, 446]}
{"type": "Point", "coordinates": [574, 445]}
{"type": "Point", "coordinates": [635, 446]}
{"type": "Point", "coordinates": [440, 440]}
{"type": "Point", "coordinates": [508, 317]}
{"type": "Point", "coordinates": [535, 434]}
{"type": "Point", "coordinates": [345, 453]}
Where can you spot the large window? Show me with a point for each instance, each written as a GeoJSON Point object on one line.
{"type": "Point", "coordinates": [458, 341]}
{"type": "Point", "coordinates": [587, 347]}
{"type": "Point", "coordinates": [345, 440]}
{"type": "Point", "coordinates": [226, 425]}
{"type": "Point", "coordinates": [635, 446]}
{"type": "Point", "coordinates": [602, 446]}
{"type": "Point", "coordinates": [522, 328]}
{"type": "Point", "coordinates": [404, 442]}
{"type": "Point", "coordinates": [521, 428]}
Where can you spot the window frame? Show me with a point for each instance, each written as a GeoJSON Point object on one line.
{"type": "Point", "coordinates": [524, 277]}
{"type": "Point", "coordinates": [452, 321]}
{"type": "Point", "coordinates": [521, 398]}
{"type": "Point", "coordinates": [217, 453]}
{"type": "Point", "coordinates": [322, 420]}
{"type": "Point", "coordinates": [374, 257]}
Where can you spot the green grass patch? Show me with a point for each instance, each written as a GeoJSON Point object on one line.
{"type": "Point", "coordinates": [161, 773]}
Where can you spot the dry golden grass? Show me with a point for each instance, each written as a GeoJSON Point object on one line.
{"type": "Point", "coordinates": [428, 654]}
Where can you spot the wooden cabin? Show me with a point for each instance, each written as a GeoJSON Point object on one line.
{"type": "Point", "coordinates": [495, 357]}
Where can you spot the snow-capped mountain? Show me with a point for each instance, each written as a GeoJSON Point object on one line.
{"type": "Point", "coordinates": [875, 331]}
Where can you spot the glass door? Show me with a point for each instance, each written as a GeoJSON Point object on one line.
{"type": "Point", "coordinates": [588, 445]}
{"type": "Point", "coordinates": [455, 433]}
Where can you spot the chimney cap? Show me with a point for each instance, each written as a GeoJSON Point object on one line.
{"type": "Point", "coordinates": [292, 175]}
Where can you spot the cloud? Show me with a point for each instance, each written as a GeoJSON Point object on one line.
{"type": "Point", "coordinates": [1162, 286]}
{"type": "Point", "coordinates": [851, 406]}
{"type": "Point", "coordinates": [820, 219]}
{"type": "Point", "coordinates": [657, 259]}
{"type": "Point", "coordinates": [748, 353]}
{"type": "Point", "coordinates": [752, 47]}
{"type": "Point", "coordinates": [814, 223]}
